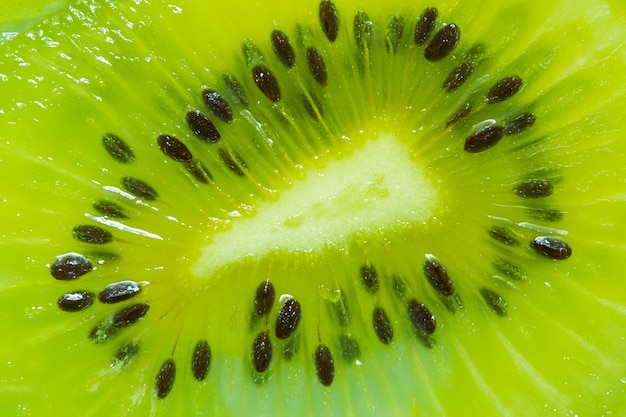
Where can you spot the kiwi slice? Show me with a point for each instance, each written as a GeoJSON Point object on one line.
{"type": "Point", "coordinates": [322, 208]}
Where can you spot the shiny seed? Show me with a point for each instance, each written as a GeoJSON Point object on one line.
{"type": "Point", "coordinates": [264, 298]}
{"type": "Point", "coordinates": [283, 49]}
{"type": "Point", "coordinates": [551, 247]}
{"type": "Point", "coordinates": [382, 325]}
{"type": "Point", "coordinates": [317, 66]}
{"type": "Point", "coordinates": [139, 188]}
{"type": "Point", "coordinates": [438, 277]}
{"type": "Point", "coordinates": [202, 126]}
{"type": "Point", "coordinates": [92, 234]}
{"type": "Point", "coordinates": [423, 321]}
{"type": "Point", "coordinates": [75, 301]}
{"type": "Point", "coordinates": [425, 25]}
{"type": "Point", "coordinates": [129, 315]}
{"type": "Point", "coordinates": [262, 352]}
{"type": "Point", "coordinates": [329, 20]}
{"type": "Point", "coordinates": [201, 360]}
{"type": "Point", "coordinates": [119, 291]}
{"type": "Point", "coordinates": [520, 123]}
{"type": "Point", "coordinates": [504, 89]}
{"type": "Point", "coordinates": [266, 82]}
{"type": "Point", "coordinates": [118, 149]}
{"type": "Point", "coordinates": [534, 189]}
{"type": "Point", "coordinates": [165, 378]}
{"type": "Point", "coordinates": [324, 365]}
{"type": "Point", "coordinates": [457, 77]}
{"type": "Point", "coordinates": [369, 277]}
{"type": "Point", "coordinates": [484, 139]}
{"type": "Point", "coordinates": [218, 105]}
{"type": "Point", "coordinates": [70, 266]}
{"type": "Point", "coordinates": [288, 318]}
{"type": "Point", "coordinates": [174, 148]}
{"type": "Point", "coordinates": [442, 44]}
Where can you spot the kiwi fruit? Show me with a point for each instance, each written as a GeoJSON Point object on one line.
{"type": "Point", "coordinates": [329, 207]}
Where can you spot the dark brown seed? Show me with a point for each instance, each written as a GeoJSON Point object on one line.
{"type": "Point", "coordinates": [324, 365]}
{"type": "Point", "coordinates": [457, 77]}
{"type": "Point", "coordinates": [425, 25]}
{"type": "Point", "coordinates": [509, 270]}
{"type": "Point", "coordinates": [369, 277]}
{"type": "Point", "coordinates": [199, 171]}
{"type": "Point", "coordinates": [460, 114]}
{"type": "Point", "coordinates": [283, 49]}
{"type": "Point", "coordinates": [262, 352]}
{"type": "Point", "coordinates": [423, 321]}
{"type": "Point", "coordinates": [382, 325]}
{"type": "Point", "coordinates": [534, 189]}
{"type": "Point", "coordinates": [329, 19]}
{"type": "Point", "coordinates": [139, 188]}
{"type": "Point", "coordinates": [349, 348]}
{"type": "Point", "coordinates": [551, 247]}
{"type": "Point", "coordinates": [504, 89]}
{"type": "Point", "coordinates": [118, 149]}
{"type": "Point", "coordinates": [75, 301]}
{"type": "Point", "coordinates": [70, 266]}
{"type": "Point", "coordinates": [503, 235]}
{"type": "Point", "coordinates": [394, 33]}
{"type": "Point", "coordinates": [317, 66]}
{"type": "Point", "coordinates": [362, 29]}
{"type": "Point", "coordinates": [264, 298]}
{"type": "Point", "coordinates": [165, 378]}
{"type": "Point", "coordinates": [125, 354]}
{"type": "Point", "coordinates": [92, 234]}
{"type": "Point", "coordinates": [109, 209]}
{"type": "Point", "coordinates": [202, 127]}
{"type": "Point", "coordinates": [495, 301]}
{"type": "Point", "coordinates": [218, 105]}
{"type": "Point", "coordinates": [520, 123]}
{"type": "Point", "coordinates": [119, 291]}
{"type": "Point", "coordinates": [235, 87]}
{"type": "Point", "coordinates": [266, 82]}
{"type": "Point", "coordinates": [288, 318]}
{"type": "Point", "coordinates": [438, 277]}
{"type": "Point", "coordinates": [174, 148]}
{"type": "Point", "coordinates": [129, 315]}
{"type": "Point", "coordinates": [230, 162]}
{"type": "Point", "coordinates": [201, 360]}
{"type": "Point", "coordinates": [484, 139]}
{"type": "Point", "coordinates": [444, 41]}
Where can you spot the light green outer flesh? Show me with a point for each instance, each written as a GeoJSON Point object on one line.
{"type": "Point", "coordinates": [596, 209]}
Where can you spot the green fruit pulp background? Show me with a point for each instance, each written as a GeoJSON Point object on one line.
{"type": "Point", "coordinates": [379, 180]}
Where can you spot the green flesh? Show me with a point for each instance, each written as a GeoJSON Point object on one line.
{"type": "Point", "coordinates": [375, 179]}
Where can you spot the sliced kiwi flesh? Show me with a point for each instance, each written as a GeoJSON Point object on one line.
{"type": "Point", "coordinates": [328, 208]}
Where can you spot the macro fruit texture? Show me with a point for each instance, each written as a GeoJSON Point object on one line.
{"type": "Point", "coordinates": [318, 208]}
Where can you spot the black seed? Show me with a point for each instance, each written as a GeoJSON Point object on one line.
{"type": "Point", "coordinates": [534, 189]}
{"type": "Point", "coordinates": [369, 277]}
{"type": "Point", "coordinates": [520, 123]}
{"type": "Point", "coordinates": [288, 318]}
{"type": "Point", "coordinates": [329, 19]}
{"type": "Point", "coordinates": [283, 49]}
{"type": "Point", "coordinates": [139, 188]}
{"type": "Point", "coordinates": [444, 41]}
{"type": "Point", "coordinates": [174, 148]}
{"type": "Point", "coordinates": [362, 29]}
{"type": "Point", "coordinates": [548, 215]}
{"type": "Point", "coordinates": [117, 148]}
{"type": "Point", "coordinates": [120, 291]}
{"type": "Point", "coordinates": [349, 348]}
{"type": "Point", "coordinates": [324, 365]}
{"type": "Point", "coordinates": [438, 277]}
{"type": "Point", "coordinates": [317, 66]}
{"type": "Point", "coordinates": [262, 352]}
{"type": "Point", "coordinates": [75, 301]}
{"type": "Point", "coordinates": [218, 105]}
{"type": "Point", "coordinates": [504, 89]}
{"type": "Point", "coordinates": [236, 89]}
{"type": "Point", "coordinates": [503, 235]}
{"type": "Point", "coordinates": [202, 127]}
{"type": "Point", "coordinates": [266, 82]}
{"type": "Point", "coordinates": [551, 247]}
{"type": "Point", "coordinates": [423, 321]}
{"type": "Point", "coordinates": [199, 171]}
{"type": "Point", "coordinates": [165, 378]}
{"type": "Point", "coordinates": [460, 114]}
{"type": "Point", "coordinates": [109, 209]}
{"type": "Point", "coordinates": [510, 270]}
{"type": "Point", "coordinates": [394, 33]}
{"type": "Point", "coordinates": [382, 325]}
{"type": "Point", "coordinates": [201, 360]}
{"type": "Point", "coordinates": [457, 77]}
{"type": "Point", "coordinates": [495, 301]}
{"type": "Point", "coordinates": [230, 162]}
{"type": "Point", "coordinates": [92, 234]}
{"type": "Point", "coordinates": [70, 266]}
{"type": "Point", "coordinates": [264, 298]}
{"type": "Point", "coordinates": [129, 315]}
{"type": "Point", "coordinates": [125, 354]}
{"type": "Point", "coordinates": [425, 25]}
{"type": "Point", "coordinates": [484, 139]}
